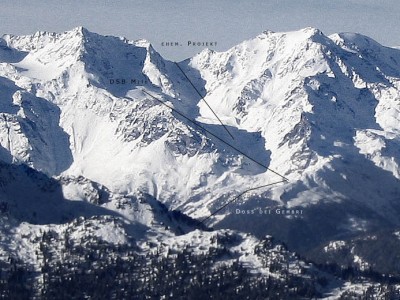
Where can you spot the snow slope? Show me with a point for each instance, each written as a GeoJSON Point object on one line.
{"type": "Point", "coordinates": [321, 111]}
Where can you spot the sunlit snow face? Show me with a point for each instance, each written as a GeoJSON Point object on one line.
{"type": "Point", "coordinates": [160, 21]}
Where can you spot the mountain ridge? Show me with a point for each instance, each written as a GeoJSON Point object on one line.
{"type": "Point", "coordinates": [320, 110]}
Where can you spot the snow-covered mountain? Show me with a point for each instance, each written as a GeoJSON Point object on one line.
{"type": "Point", "coordinates": [328, 109]}
{"type": "Point", "coordinates": [318, 114]}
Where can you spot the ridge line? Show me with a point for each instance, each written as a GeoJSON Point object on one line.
{"type": "Point", "coordinates": [202, 98]}
{"type": "Point", "coordinates": [216, 136]}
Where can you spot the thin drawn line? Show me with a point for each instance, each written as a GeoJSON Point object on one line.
{"type": "Point", "coordinates": [237, 197]}
{"type": "Point", "coordinates": [202, 98]}
{"type": "Point", "coordinates": [214, 135]}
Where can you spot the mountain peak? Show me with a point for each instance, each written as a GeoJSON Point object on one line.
{"type": "Point", "coordinates": [322, 111]}
{"type": "Point", "coordinates": [81, 30]}
{"type": "Point", "coordinates": [311, 30]}
{"type": "Point", "coordinates": [47, 56]}
{"type": "Point", "coordinates": [355, 41]}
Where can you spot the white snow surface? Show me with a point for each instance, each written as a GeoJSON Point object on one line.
{"type": "Point", "coordinates": [302, 103]}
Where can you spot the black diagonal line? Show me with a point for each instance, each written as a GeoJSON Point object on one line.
{"type": "Point", "coordinates": [238, 196]}
{"type": "Point", "coordinates": [214, 135]}
{"type": "Point", "coordinates": [202, 98]}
